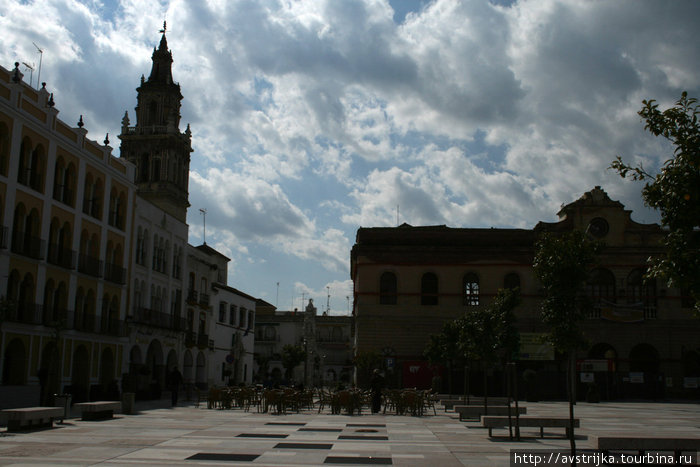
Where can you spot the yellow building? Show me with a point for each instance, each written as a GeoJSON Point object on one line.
{"type": "Point", "coordinates": [408, 281]}
{"type": "Point", "coordinates": [66, 223]}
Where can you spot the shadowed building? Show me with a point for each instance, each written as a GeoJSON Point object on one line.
{"type": "Point", "coordinates": [408, 281]}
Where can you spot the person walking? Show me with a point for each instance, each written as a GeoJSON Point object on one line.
{"type": "Point", "coordinates": [175, 379]}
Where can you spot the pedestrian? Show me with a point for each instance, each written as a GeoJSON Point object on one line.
{"type": "Point", "coordinates": [376, 385]}
{"type": "Point", "coordinates": [175, 379]}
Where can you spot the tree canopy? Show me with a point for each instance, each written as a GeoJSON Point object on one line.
{"type": "Point", "coordinates": [674, 192]}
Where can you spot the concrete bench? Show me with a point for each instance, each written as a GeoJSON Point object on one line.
{"type": "Point", "coordinates": [26, 418]}
{"type": "Point", "coordinates": [540, 422]}
{"type": "Point", "coordinates": [642, 445]}
{"type": "Point", "coordinates": [476, 411]}
{"type": "Point", "coordinates": [450, 403]}
{"type": "Point", "coordinates": [99, 410]}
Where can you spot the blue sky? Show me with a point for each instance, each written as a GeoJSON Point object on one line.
{"type": "Point", "coordinates": [313, 118]}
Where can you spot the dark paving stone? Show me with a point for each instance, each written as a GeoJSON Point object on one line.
{"type": "Point", "coordinates": [286, 423]}
{"type": "Point", "coordinates": [260, 435]}
{"type": "Point", "coordinates": [212, 456]}
{"type": "Point", "coordinates": [324, 430]}
{"type": "Point", "coordinates": [364, 437]}
{"type": "Point", "coordinates": [375, 425]}
{"type": "Point", "coordinates": [303, 446]}
{"type": "Point", "coordinates": [358, 460]}
{"type": "Point", "coordinates": [366, 430]}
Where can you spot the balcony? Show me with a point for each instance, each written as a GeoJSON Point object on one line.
{"type": "Point", "coordinates": [24, 312]}
{"type": "Point", "coordinates": [204, 299]}
{"type": "Point", "coordinates": [202, 341]}
{"type": "Point", "coordinates": [84, 322]}
{"type": "Point", "coordinates": [27, 245]}
{"type": "Point", "coordinates": [157, 319]}
{"type": "Point", "coordinates": [190, 339]}
{"type": "Point", "coordinates": [89, 265]}
{"type": "Point", "coordinates": [113, 327]}
{"type": "Point", "coordinates": [192, 296]}
{"type": "Point", "coordinates": [115, 273]}
{"type": "Point", "coordinates": [60, 256]}
{"type": "Point", "coordinates": [56, 317]}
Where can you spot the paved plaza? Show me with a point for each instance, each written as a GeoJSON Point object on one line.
{"type": "Point", "coordinates": [186, 435]}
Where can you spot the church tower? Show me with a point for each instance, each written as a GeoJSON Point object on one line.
{"type": "Point", "coordinates": [160, 152]}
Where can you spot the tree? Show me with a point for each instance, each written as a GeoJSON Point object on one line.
{"type": "Point", "coordinates": [444, 348]}
{"type": "Point", "coordinates": [489, 333]}
{"type": "Point", "coordinates": [562, 264]}
{"type": "Point", "coordinates": [675, 192]}
{"type": "Point", "coordinates": [292, 356]}
{"type": "Point", "coordinates": [365, 362]}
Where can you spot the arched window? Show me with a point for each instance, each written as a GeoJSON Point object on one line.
{"type": "Point", "coordinates": [69, 185]}
{"type": "Point", "coordinates": [36, 169]}
{"type": "Point", "coordinates": [4, 148]}
{"type": "Point", "coordinates": [511, 281]}
{"type": "Point", "coordinates": [470, 287]}
{"type": "Point", "coordinates": [429, 289]}
{"type": "Point", "coordinates": [59, 174]}
{"type": "Point", "coordinates": [601, 286]}
{"type": "Point", "coordinates": [24, 165]}
{"type": "Point", "coordinates": [387, 289]}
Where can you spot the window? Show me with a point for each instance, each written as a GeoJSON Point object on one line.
{"type": "Point", "coordinates": [470, 287]}
{"type": "Point", "coordinates": [387, 289]}
{"type": "Point", "coordinates": [511, 281]}
{"type": "Point", "coordinates": [222, 312]}
{"type": "Point", "coordinates": [4, 148]}
{"type": "Point", "coordinates": [241, 317]}
{"type": "Point", "coordinates": [232, 315]}
{"type": "Point", "coordinates": [601, 286]}
{"type": "Point", "coordinates": [429, 289]}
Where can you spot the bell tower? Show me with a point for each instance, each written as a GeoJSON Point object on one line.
{"type": "Point", "coordinates": [160, 152]}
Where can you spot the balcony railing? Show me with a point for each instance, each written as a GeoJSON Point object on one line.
{"type": "Point", "coordinates": [28, 245]}
{"type": "Point", "coordinates": [190, 339]}
{"type": "Point", "coordinates": [204, 299]}
{"type": "Point", "coordinates": [115, 273]}
{"type": "Point", "coordinates": [89, 265]}
{"type": "Point", "coordinates": [192, 296]}
{"type": "Point", "coordinates": [84, 322]}
{"type": "Point", "coordinates": [57, 317]}
{"type": "Point", "coordinates": [60, 256]}
{"type": "Point", "coordinates": [202, 341]}
{"type": "Point", "coordinates": [3, 237]}
{"type": "Point", "coordinates": [157, 319]}
{"type": "Point", "coordinates": [24, 312]}
{"type": "Point", "coordinates": [113, 327]}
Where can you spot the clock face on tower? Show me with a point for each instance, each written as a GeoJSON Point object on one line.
{"type": "Point", "coordinates": [598, 227]}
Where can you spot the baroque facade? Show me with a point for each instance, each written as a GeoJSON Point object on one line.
{"type": "Point", "coordinates": [94, 250]}
{"type": "Point", "coordinates": [408, 281]}
{"type": "Point", "coordinates": [67, 206]}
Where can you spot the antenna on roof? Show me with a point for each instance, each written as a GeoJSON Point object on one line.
{"type": "Point", "coordinates": [204, 214]}
{"type": "Point", "coordinates": [31, 71]}
{"type": "Point", "coordinates": [41, 56]}
{"type": "Point", "coordinates": [328, 300]}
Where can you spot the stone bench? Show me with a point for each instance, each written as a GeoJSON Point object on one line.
{"type": "Point", "coordinates": [642, 445]}
{"type": "Point", "coordinates": [99, 410]}
{"type": "Point", "coordinates": [476, 411]}
{"type": "Point", "coordinates": [541, 422]}
{"type": "Point", "coordinates": [26, 418]}
{"type": "Point", "coordinates": [450, 403]}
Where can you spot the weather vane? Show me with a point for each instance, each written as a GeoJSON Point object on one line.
{"type": "Point", "coordinates": [162, 31]}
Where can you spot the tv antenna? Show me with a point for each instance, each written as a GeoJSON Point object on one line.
{"type": "Point", "coordinates": [41, 56]}
{"type": "Point", "coordinates": [31, 71]}
{"type": "Point", "coordinates": [328, 300]}
{"type": "Point", "coordinates": [204, 214]}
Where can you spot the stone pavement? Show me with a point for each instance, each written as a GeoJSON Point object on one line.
{"type": "Point", "coordinates": [186, 435]}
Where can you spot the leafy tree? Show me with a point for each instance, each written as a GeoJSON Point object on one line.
{"type": "Point", "coordinates": [444, 348]}
{"type": "Point", "coordinates": [487, 334]}
{"type": "Point", "coordinates": [292, 356]}
{"type": "Point", "coordinates": [365, 362]}
{"type": "Point", "coordinates": [675, 192]}
{"type": "Point", "coordinates": [561, 264]}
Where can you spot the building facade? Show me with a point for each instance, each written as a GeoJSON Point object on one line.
{"type": "Point", "coordinates": [67, 207]}
{"type": "Point", "coordinates": [409, 281]}
{"type": "Point", "coordinates": [327, 340]}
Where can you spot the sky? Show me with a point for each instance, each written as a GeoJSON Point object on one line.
{"type": "Point", "coordinates": [310, 119]}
